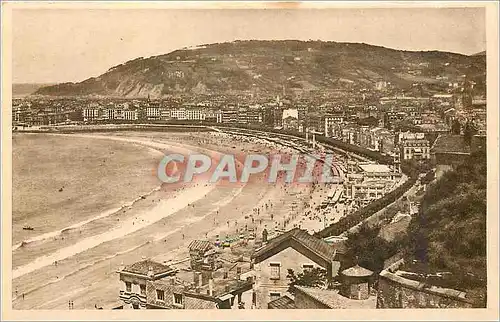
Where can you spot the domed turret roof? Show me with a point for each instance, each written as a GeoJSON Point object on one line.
{"type": "Point", "coordinates": [357, 271]}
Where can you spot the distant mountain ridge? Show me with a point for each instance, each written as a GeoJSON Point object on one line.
{"type": "Point", "coordinates": [264, 67]}
{"type": "Point", "coordinates": [24, 89]}
{"type": "Point", "coordinates": [481, 53]}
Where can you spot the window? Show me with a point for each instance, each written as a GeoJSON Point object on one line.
{"type": "Point", "coordinates": [274, 296]}
{"type": "Point", "coordinates": [307, 266]}
{"type": "Point", "coordinates": [177, 298]}
{"type": "Point", "coordinates": [143, 289]}
{"type": "Point", "coordinates": [275, 271]}
{"type": "Point", "coordinates": [128, 286]}
{"type": "Point", "coordinates": [160, 295]}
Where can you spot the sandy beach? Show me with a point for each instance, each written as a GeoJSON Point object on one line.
{"type": "Point", "coordinates": [158, 226]}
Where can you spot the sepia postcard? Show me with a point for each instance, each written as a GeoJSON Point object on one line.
{"type": "Point", "coordinates": [249, 160]}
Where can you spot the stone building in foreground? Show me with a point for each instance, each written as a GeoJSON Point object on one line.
{"type": "Point", "coordinates": [297, 250]}
{"type": "Point", "coordinates": [135, 278]}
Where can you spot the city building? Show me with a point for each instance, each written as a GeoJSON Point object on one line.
{"type": "Point", "coordinates": [418, 149]}
{"type": "Point", "coordinates": [391, 118]}
{"type": "Point", "coordinates": [254, 115]}
{"type": "Point", "coordinates": [278, 117]}
{"type": "Point", "coordinates": [91, 113]}
{"type": "Point", "coordinates": [202, 255]}
{"type": "Point", "coordinates": [331, 121]}
{"type": "Point", "coordinates": [315, 122]}
{"type": "Point", "coordinates": [153, 113]}
{"type": "Point", "coordinates": [356, 282]}
{"type": "Point", "coordinates": [134, 278]}
{"type": "Point", "coordinates": [166, 293]}
{"type": "Point", "coordinates": [195, 115]}
{"type": "Point", "coordinates": [374, 171]}
{"type": "Point", "coordinates": [229, 116]}
{"type": "Point", "coordinates": [130, 115]}
{"type": "Point", "coordinates": [297, 250]}
{"type": "Point", "coordinates": [178, 113]}
{"type": "Point", "coordinates": [449, 151]}
{"type": "Point", "coordinates": [290, 123]}
{"type": "Point", "coordinates": [165, 113]}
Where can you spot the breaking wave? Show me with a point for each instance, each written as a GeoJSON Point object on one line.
{"type": "Point", "coordinates": [104, 214]}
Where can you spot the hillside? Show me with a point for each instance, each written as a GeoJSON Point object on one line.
{"type": "Point", "coordinates": [264, 67]}
{"type": "Point", "coordinates": [21, 90]}
{"type": "Point", "coordinates": [449, 233]}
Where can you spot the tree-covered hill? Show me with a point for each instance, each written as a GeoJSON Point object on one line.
{"type": "Point", "coordinates": [264, 67]}
{"type": "Point", "coordinates": [449, 233]}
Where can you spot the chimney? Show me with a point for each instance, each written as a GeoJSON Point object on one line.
{"type": "Point", "coordinates": [150, 272]}
{"type": "Point", "coordinates": [199, 279]}
{"type": "Point", "coordinates": [238, 270]}
{"type": "Point", "coordinates": [225, 274]}
{"type": "Point", "coordinates": [335, 265]}
{"type": "Point", "coordinates": [172, 281]}
{"type": "Point", "coordinates": [211, 286]}
{"type": "Point", "coordinates": [204, 277]}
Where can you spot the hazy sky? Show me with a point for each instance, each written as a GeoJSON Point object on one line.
{"type": "Point", "coordinates": [72, 45]}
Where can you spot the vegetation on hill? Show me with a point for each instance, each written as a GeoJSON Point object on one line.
{"type": "Point", "coordinates": [264, 67]}
{"type": "Point", "coordinates": [21, 90]}
{"type": "Point", "coordinates": [446, 241]}
{"type": "Point", "coordinates": [370, 250]}
{"type": "Point", "coordinates": [449, 232]}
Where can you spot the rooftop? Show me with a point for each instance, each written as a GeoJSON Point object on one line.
{"type": "Point", "coordinates": [450, 144]}
{"type": "Point", "coordinates": [221, 285]}
{"type": "Point", "coordinates": [334, 300]}
{"type": "Point", "coordinates": [200, 245]}
{"type": "Point", "coordinates": [414, 141]}
{"type": "Point", "coordinates": [314, 244]}
{"type": "Point", "coordinates": [373, 168]}
{"type": "Point", "coordinates": [144, 266]}
{"type": "Point", "coordinates": [357, 271]}
{"type": "Point", "coordinates": [284, 302]}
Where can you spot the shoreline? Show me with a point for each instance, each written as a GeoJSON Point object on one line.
{"type": "Point", "coordinates": [195, 227]}
{"type": "Point", "coordinates": [190, 195]}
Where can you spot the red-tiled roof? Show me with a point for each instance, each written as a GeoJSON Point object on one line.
{"type": "Point", "coordinates": [314, 244]}
{"type": "Point", "coordinates": [142, 267]}
{"type": "Point", "coordinates": [282, 303]}
{"type": "Point", "coordinates": [447, 143]}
